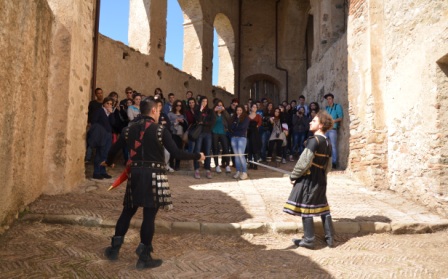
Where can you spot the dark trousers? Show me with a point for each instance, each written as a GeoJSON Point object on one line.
{"type": "Point", "coordinates": [148, 225]}
{"type": "Point", "coordinates": [216, 140]}
{"type": "Point", "coordinates": [178, 140]}
{"type": "Point", "coordinates": [278, 149]}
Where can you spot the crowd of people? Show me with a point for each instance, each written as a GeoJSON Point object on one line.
{"type": "Point", "coordinates": [257, 131]}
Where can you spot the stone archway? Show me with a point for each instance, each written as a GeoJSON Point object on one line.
{"type": "Point", "coordinates": [226, 52]}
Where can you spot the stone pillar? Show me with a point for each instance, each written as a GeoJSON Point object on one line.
{"type": "Point", "coordinates": [68, 93]}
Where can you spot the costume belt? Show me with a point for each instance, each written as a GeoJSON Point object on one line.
{"type": "Point", "coordinates": [148, 164]}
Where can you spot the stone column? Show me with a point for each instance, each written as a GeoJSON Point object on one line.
{"type": "Point", "coordinates": [68, 93]}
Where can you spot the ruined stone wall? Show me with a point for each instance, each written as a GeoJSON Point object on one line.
{"type": "Point", "coordinates": [45, 77]}
{"type": "Point", "coordinates": [24, 71]}
{"type": "Point", "coordinates": [120, 66]}
{"type": "Point", "coordinates": [368, 133]}
{"type": "Point", "coordinates": [69, 93]}
{"type": "Point", "coordinates": [395, 95]}
{"type": "Point", "coordinates": [416, 36]}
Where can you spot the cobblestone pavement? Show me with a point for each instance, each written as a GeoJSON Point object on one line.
{"type": "Point", "coordinates": [260, 199]}
{"type": "Point", "coordinates": [37, 246]}
{"type": "Point", "coordinates": [38, 250]}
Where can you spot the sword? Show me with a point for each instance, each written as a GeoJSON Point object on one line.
{"type": "Point", "coordinates": [224, 155]}
{"type": "Point", "coordinates": [271, 168]}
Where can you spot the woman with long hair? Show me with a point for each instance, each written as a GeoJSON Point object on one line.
{"type": "Point", "coordinates": [277, 139]}
{"type": "Point", "coordinates": [219, 135]}
{"type": "Point", "coordinates": [254, 139]}
{"type": "Point", "coordinates": [178, 126]}
{"type": "Point", "coordinates": [240, 124]}
{"type": "Point", "coordinates": [205, 117]}
{"type": "Point", "coordinates": [134, 110]}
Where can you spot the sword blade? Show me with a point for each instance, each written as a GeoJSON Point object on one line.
{"type": "Point", "coordinates": [271, 168]}
{"type": "Point", "coordinates": [224, 155]}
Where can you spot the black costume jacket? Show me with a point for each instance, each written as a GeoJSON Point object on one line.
{"type": "Point", "coordinates": [147, 182]}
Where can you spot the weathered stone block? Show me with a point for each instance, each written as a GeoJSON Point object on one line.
{"type": "Point", "coordinates": [218, 228]}
{"type": "Point", "coordinates": [186, 227]}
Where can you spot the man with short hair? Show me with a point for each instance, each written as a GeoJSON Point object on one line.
{"type": "Point", "coordinates": [94, 105]}
{"type": "Point", "coordinates": [148, 184]}
{"type": "Point", "coordinates": [335, 110]}
{"type": "Point", "coordinates": [232, 108]}
{"type": "Point", "coordinates": [168, 105]}
{"type": "Point", "coordinates": [303, 105]}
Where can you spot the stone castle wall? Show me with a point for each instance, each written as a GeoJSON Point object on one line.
{"type": "Point", "coordinates": [45, 78]}
{"type": "Point", "coordinates": [24, 70]}
{"type": "Point", "coordinates": [393, 63]}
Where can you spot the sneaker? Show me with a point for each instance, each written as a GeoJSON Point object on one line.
{"type": "Point", "coordinates": [291, 158]}
{"type": "Point", "coordinates": [105, 175]}
{"type": "Point", "coordinates": [237, 174]}
{"type": "Point", "coordinates": [169, 169]}
{"type": "Point", "coordinates": [228, 169]}
{"type": "Point", "coordinates": [283, 161]}
{"type": "Point", "coordinates": [243, 176]}
{"type": "Point", "coordinates": [196, 174]}
{"type": "Point", "coordinates": [218, 169]}
{"type": "Point", "coordinates": [209, 174]}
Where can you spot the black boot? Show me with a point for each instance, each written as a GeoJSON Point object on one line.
{"type": "Point", "coordinates": [327, 222]}
{"type": "Point", "coordinates": [140, 248]}
{"type": "Point", "coordinates": [145, 260]}
{"type": "Point", "coordinates": [112, 251]}
{"type": "Point", "coordinates": [308, 230]}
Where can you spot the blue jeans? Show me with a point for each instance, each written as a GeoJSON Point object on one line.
{"type": "Point", "coordinates": [298, 140]}
{"type": "Point", "coordinates": [239, 147]}
{"type": "Point", "coordinates": [333, 136]}
{"type": "Point", "coordinates": [206, 140]}
{"type": "Point", "coordinates": [100, 156]}
{"type": "Point", "coordinates": [265, 135]}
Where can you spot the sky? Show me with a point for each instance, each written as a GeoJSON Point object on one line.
{"type": "Point", "coordinates": [114, 16]}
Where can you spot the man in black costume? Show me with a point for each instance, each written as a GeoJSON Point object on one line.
{"type": "Point", "coordinates": [147, 184]}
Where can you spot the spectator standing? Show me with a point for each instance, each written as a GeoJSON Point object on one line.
{"type": "Point", "coordinates": [205, 117]}
{"type": "Point", "coordinates": [302, 104]}
{"type": "Point", "coordinates": [189, 115]}
{"type": "Point", "coordinates": [335, 110]}
{"type": "Point", "coordinates": [219, 136]}
{"type": "Point", "coordinates": [178, 127]}
{"type": "Point", "coordinates": [240, 124]}
{"type": "Point", "coordinates": [254, 139]}
{"type": "Point", "coordinates": [94, 105]}
{"type": "Point", "coordinates": [300, 124]}
{"type": "Point", "coordinates": [277, 138]}
{"type": "Point", "coordinates": [266, 129]}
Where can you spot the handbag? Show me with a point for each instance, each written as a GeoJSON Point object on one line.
{"type": "Point", "coordinates": [194, 132]}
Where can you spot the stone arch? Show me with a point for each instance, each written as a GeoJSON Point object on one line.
{"type": "Point", "coordinates": [147, 26]}
{"type": "Point", "coordinates": [226, 52]}
{"type": "Point", "coordinates": [193, 37]}
{"type": "Point", "coordinates": [262, 86]}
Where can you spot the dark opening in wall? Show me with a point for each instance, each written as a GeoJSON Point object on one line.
{"type": "Point", "coordinates": [309, 40]}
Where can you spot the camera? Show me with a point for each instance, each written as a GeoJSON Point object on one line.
{"type": "Point", "coordinates": [277, 135]}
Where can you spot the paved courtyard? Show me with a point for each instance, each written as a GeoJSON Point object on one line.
{"type": "Point", "coordinates": [223, 228]}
